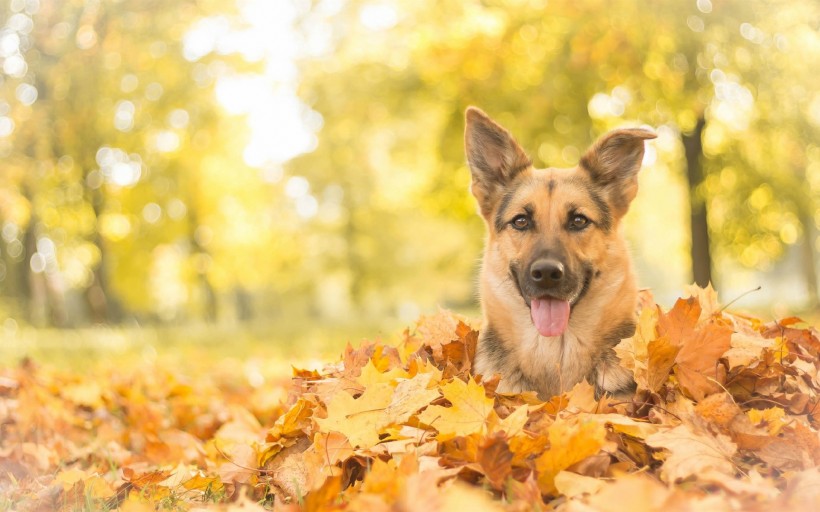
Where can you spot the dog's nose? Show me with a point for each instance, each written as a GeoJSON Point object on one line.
{"type": "Point", "coordinates": [547, 272]}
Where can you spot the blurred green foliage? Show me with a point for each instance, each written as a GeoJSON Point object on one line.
{"type": "Point", "coordinates": [217, 160]}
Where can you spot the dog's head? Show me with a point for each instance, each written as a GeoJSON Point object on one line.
{"type": "Point", "coordinates": [551, 230]}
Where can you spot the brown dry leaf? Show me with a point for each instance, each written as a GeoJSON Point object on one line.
{"type": "Point", "coordinates": [571, 441]}
{"type": "Point", "coordinates": [680, 322]}
{"type": "Point", "coordinates": [495, 458]}
{"type": "Point", "coordinates": [689, 453]}
{"type": "Point", "coordinates": [697, 367]}
{"type": "Point", "coordinates": [468, 413]}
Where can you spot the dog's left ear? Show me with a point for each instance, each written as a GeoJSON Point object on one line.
{"type": "Point", "coordinates": [613, 163]}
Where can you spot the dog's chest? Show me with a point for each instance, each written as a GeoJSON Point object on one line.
{"type": "Point", "coordinates": [554, 364]}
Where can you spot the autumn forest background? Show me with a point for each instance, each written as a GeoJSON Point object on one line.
{"type": "Point", "coordinates": [203, 201]}
{"type": "Point", "coordinates": [294, 164]}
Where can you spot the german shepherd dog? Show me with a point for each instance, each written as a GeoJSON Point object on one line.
{"type": "Point", "coordinates": [556, 284]}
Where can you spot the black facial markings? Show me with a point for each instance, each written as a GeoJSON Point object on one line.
{"type": "Point", "coordinates": [623, 330]}
{"type": "Point", "coordinates": [514, 277]}
{"type": "Point", "coordinates": [523, 167]}
{"type": "Point", "coordinates": [588, 271]}
{"type": "Point", "coordinates": [551, 185]}
{"type": "Point", "coordinates": [493, 347]}
{"type": "Point", "coordinates": [501, 216]}
{"type": "Point", "coordinates": [605, 220]}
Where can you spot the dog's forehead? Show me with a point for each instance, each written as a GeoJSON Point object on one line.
{"type": "Point", "coordinates": [557, 183]}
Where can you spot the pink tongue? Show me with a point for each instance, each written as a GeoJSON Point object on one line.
{"type": "Point", "coordinates": [550, 316]}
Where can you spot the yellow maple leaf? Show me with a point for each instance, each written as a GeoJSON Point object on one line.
{"type": "Point", "coordinates": [68, 477]}
{"type": "Point", "coordinates": [410, 396]}
{"type": "Point", "coordinates": [625, 425]}
{"type": "Point", "coordinates": [359, 419]}
{"type": "Point", "coordinates": [772, 419]}
{"type": "Point", "coordinates": [647, 354]}
{"type": "Point", "coordinates": [371, 375]}
{"type": "Point", "coordinates": [572, 484]}
{"type": "Point", "coordinates": [571, 441]}
{"type": "Point", "coordinates": [293, 422]}
{"type": "Point", "coordinates": [512, 425]}
{"type": "Point", "coordinates": [467, 415]}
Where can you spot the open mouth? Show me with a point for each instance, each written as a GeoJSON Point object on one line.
{"type": "Point", "coordinates": [550, 314]}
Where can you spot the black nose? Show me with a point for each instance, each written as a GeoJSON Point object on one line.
{"type": "Point", "coordinates": [547, 272]}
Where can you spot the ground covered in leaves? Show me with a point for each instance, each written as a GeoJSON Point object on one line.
{"type": "Point", "coordinates": [724, 419]}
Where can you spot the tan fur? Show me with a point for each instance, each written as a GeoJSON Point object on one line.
{"type": "Point", "coordinates": [599, 189]}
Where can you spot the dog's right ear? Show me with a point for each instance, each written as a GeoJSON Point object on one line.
{"type": "Point", "coordinates": [493, 155]}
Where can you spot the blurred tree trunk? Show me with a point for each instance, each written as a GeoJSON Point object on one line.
{"type": "Point", "coordinates": [701, 258]}
{"type": "Point", "coordinates": [809, 263]}
{"type": "Point", "coordinates": [104, 306]}
{"type": "Point", "coordinates": [34, 287]}
{"type": "Point", "coordinates": [244, 303]}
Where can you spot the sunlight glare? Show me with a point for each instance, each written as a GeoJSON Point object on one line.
{"type": "Point", "coordinates": [378, 16]}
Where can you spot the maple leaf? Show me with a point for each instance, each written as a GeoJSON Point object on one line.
{"type": "Point", "coordinates": [679, 323]}
{"type": "Point", "coordinates": [773, 419]}
{"type": "Point", "coordinates": [746, 348]}
{"type": "Point", "coordinates": [371, 375]}
{"type": "Point", "coordinates": [689, 453]}
{"type": "Point", "coordinates": [572, 484]}
{"type": "Point", "coordinates": [571, 441]}
{"type": "Point", "coordinates": [707, 299]}
{"type": "Point", "coordinates": [495, 458]}
{"type": "Point", "coordinates": [467, 414]}
{"type": "Point", "coordinates": [410, 396]}
{"type": "Point", "coordinates": [512, 425]}
{"type": "Point", "coordinates": [332, 447]}
{"type": "Point", "coordinates": [697, 369]}
{"type": "Point", "coordinates": [648, 355]}
{"type": "Point", "coordinates": [359, 419]}
{"type": "Point", "coordinates": [632, 492]}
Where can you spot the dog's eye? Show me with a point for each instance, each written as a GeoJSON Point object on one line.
{"type": "Point", "coordinates": [578, 222]}
{"type": "Point", "coordinates": [520, 222]}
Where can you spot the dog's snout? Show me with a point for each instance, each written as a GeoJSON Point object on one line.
{"type": "Point", "coordinates": [547, 272]}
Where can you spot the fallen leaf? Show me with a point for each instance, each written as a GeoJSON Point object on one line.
{"type": "Point", "coordinates": [495, 458]}
{"type": "Point", "coordinates": [697, 362]}
{"type": "Point", "coordinates": [467, 414]}
{"type": "Point", "coordinates": [689, 453]}
{"type": "Point", "coordinates": [410, 396]}
{"type": "Point", "coordinates": [571, 441]}
{"type": "Point", "coordinates": [572, 484]}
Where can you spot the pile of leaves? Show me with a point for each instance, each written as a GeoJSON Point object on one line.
{"type": "Point", "coordinates": [723, 419]}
